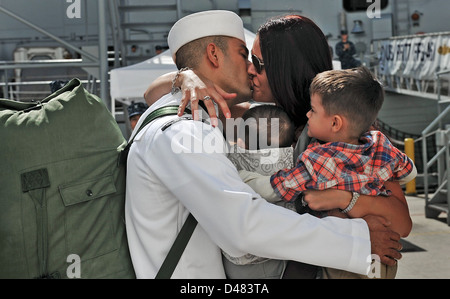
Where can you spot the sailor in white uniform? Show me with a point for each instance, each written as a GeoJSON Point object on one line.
{"type": "Point", "coordinates": [183, 168]}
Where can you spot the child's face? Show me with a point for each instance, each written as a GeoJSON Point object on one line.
{"type": "Point", "coordinates": [319, 122]}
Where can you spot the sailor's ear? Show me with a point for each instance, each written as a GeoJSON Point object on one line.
{"type": "Point", "coordinates": [213, 53]}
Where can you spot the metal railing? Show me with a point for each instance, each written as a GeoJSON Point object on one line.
{"type": "Point", "coordinates": [440, 200]}
{"type": "Point", "coordinates": [409, 82]}
{"type": "Point", "coordinates": [100, 62]}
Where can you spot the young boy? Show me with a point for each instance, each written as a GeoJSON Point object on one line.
{"type": "Point", "coordinates": [346, 156]}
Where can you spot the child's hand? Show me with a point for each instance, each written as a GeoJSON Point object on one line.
{"type": "Point", "coordinates": [327, 199]}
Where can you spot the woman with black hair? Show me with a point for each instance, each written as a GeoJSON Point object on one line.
{"type": "Point", "coordinates": [293, 51]}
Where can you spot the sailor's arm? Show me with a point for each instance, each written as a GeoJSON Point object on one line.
{"type": "Point", "coordinates": [240, 221]}
{"type": "Point", "coordinates": [393, 208]}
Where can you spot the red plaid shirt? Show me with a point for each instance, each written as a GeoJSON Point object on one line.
{"type": "Point", "coordinates": [360, 168]}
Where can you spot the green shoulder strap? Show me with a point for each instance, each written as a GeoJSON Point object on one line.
{"type": "Point", "coordinates": [162, 111]}
{"type": "Point", "coordinates": [177, 249]}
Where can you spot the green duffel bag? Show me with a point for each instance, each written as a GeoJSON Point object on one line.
{"type": "Point", "coordinates": [62, 192]}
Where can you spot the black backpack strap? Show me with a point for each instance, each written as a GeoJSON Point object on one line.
{"type": "Point", "coordinates": [172, 258]}
{"type": "Point", "coordinates": [177, 249]}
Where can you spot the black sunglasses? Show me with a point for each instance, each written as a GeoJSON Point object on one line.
{"type": "Point", "coordinates": [259, 65]}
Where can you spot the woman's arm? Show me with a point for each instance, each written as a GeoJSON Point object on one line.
{"type": "Point", "coordinates": [393, 208]}
{"type": "Point", "coordinates": [193, 89]}
{"type": "Point", "coordinates": [161, 86]}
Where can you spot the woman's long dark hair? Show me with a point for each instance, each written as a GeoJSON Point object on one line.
{"type": "Point", "coordinates": [294, 50]}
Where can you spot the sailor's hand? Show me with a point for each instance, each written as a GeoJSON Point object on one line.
{"type": "Point", "coordinates": [384, 242]}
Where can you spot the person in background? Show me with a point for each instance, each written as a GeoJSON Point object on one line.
{"type": "Point", "coordinates": [135, 110]}
{"type": "Point", "coordinates": [57, 85]}
{"type": "Point", "coordinates": [158, 49]}
{"type": "Point", "coordinates": [345, 50]}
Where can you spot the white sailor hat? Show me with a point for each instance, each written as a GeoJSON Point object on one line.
{"type": "Point", "coordinates": [202, 24]}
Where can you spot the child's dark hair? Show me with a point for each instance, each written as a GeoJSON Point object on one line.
{"type": "Point", "coordinates": [285, 129]}
{"type": "Point", "coordinates": [354, 93]}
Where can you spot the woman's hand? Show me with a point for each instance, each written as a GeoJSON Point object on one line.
{"type": "Point", "coordinates": [195, 89]}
